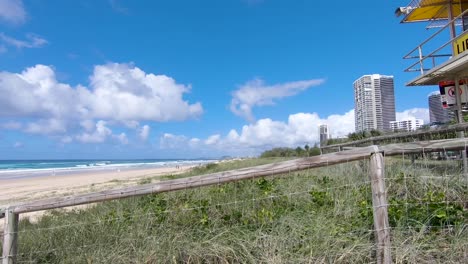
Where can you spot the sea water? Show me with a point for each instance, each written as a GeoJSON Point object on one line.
{"type": "Point", "coordinates": [12, 169]}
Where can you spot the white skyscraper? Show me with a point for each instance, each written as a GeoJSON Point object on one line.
{"type": "Point", "coordinates": [374, 102]}
{"type": "Point", "coordinates": [324, 134]}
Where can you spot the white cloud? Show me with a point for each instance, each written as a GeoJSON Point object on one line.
{"type": "Point", "coordinates": [414, 113]}
{"type": "Point", "coordinates": [341, 125]}
{"type": "Point", "coordinates": [12, 11]}
{"type": "Point", "coordinates": [300, 129]}
{"type": "Point", "coordinates": [33, 41]}
{"type": "Point", "coordinates": [18, 144]}
{"type": "Point", "coordinates": [99, 135]}
{"type": "Point", "coordinates": [194, 142]}
{"type": "Point", "coordinates": [131, 124]}
{"type": "Point", "coordinates": [211, 140]}
{"type": "Point", "coordinates": [257, 93]}
{"type": "Point", "coordinates": [87, 125]}
{"type": "Point", "coordinates": [122, 138]}
{"type": "Point", "coordinates": [118, 94]}
{"type": "Point", "coordinates": [124, 92]}
{"type": "Point", "coordinates": [170, 141]}
{"type": "Point", "coordinates": [66, 139]}
{"type": "Point", "coordinates": [46, 127]}
{"type": "Point", "coordinates": [144, 132]}
{"type": "Point", "coordinates": [11, 125]}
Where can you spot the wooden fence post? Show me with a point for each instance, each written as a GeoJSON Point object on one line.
{"type": "Point", "coordinates": [379, 202]}
{"type": "Point", "coordinates": [10, 237]}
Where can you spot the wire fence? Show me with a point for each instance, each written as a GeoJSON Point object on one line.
{"type": "Point", "coordinates": [428, 207]}
{"type": "Point", "coordinates": [424, 134]}
{"type": "Point", "coordinates": [319, 215]}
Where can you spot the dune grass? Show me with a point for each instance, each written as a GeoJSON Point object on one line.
{"type": "Point", "coordinates": [312, 216]}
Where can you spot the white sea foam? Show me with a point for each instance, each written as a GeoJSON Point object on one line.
{"type": "Point", "coordinates": [93, 166]}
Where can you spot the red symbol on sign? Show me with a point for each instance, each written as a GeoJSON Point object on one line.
{"type": "Point", "coordinates": [451, 91]}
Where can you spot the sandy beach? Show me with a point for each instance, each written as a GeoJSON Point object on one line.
{"type": "Point", "coordinates": [15, 191]}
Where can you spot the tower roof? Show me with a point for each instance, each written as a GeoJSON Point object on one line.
{"type": "Point", "coordinates": [429, 10]}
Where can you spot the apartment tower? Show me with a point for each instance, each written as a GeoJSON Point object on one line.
{"type": "Point", "coordinates": [407, 125]}
{"type": "Point", "coordinates": [324, 134]}
{"type": "Point", "coordinates": [374, 102]}
{"type": "Point", "coordinates": [437, 114]}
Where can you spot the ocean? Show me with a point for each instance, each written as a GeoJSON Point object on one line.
{"type": "Point", "coordinates": [13, 169]}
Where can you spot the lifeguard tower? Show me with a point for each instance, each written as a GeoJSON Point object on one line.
{"type": "Point", "coordinates": [439, 61]}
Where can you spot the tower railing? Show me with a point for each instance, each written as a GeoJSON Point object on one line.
{"type": "Point", "coordinates": [417, 52]}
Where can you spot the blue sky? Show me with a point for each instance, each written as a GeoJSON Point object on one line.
{"type": "Point", "coordinates": [186, 79]}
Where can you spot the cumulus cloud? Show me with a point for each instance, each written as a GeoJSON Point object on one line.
{"type": "Point", "coordinates": [118, 94]}
{"type": "Point", "coordinates": [97, 136]}
{"type": "Point", "coordinates": [32, 41]}
{"type": "Point", "coordinates": [257, 93]}
{"type": "Point", "coordinates": [12, 11]}
{"type": "Point", "coordinates": [124, 92]}
{"type": "Point", "coordinates": [46, 127]}
{"type": "Point", "coordinates": [122, 138]}
{"type": "Point", "coordinates": [144, 132]}
{"type": "Point", "coordinates": [212, 139]}
{"type": "Point", "coordinates": [300, 129]}
{"type": "Point", "coordinates": [171, 141]}
{"type": "Point", "coordinates": [414, 113]}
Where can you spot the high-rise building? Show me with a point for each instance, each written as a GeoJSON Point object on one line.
{"type": "Point", "coordinates": [324, 135]}
{"type": "Point", "coordinates": [437, 114]}
{"type": "Point", "coordinates": [406, 125]}
{"type": "Point", "coordinates": [374, 102]}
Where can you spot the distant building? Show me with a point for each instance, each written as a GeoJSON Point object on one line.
{"type": "Point", "coordinates": [406, 125]}
{"type": "Point", "coordinates": [324, 134]}
{"type": "Point", "coordinates": [437, 114]}
{"type": "Point", "coordinates": [374, 102]}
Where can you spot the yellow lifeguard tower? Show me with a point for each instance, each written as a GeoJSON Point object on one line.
{"type": "Point", "coordinates": [438, 63]}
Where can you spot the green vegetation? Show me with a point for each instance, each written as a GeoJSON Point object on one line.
{"type": "Point", "coordinates": [355, 136]}
{"type": "Point", "coordinates": [317, 215]}
{"type": "Point", "coordinates": [430, 135]}
{"type": "Point", "coordinates": [221, 166]}
{"type": "Point", "coordinates": [289, 152]}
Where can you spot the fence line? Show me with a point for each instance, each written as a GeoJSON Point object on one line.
{"type": "Point", "coordinates": [242, 174]}
{"type": "Point", "coordinates": [376, 179]}
{"type": "Point", "coordinates": [197, 181]}
{"type": "Point", "coordinates": [376, 140]}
